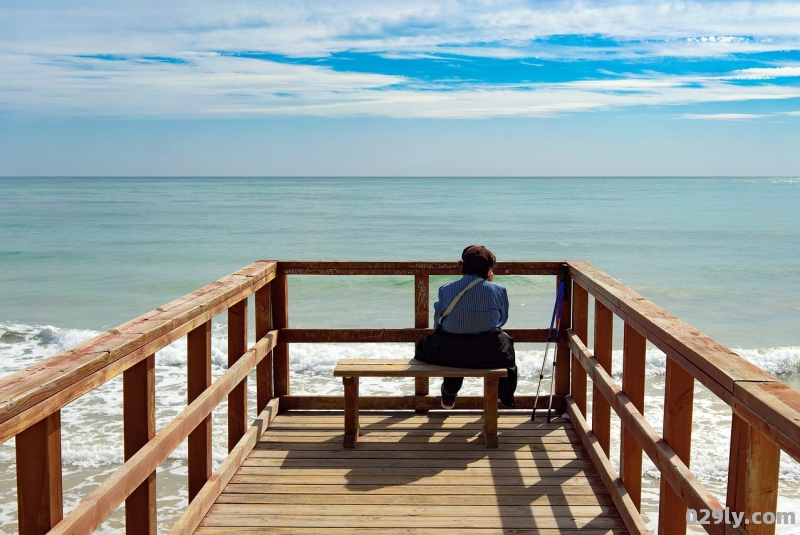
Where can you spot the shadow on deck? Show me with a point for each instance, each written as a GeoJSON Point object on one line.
{"type": "Point", "coordinates": [415, 474]}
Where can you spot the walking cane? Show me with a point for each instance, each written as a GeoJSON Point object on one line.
{"type": "Point", "coordinates": [555, 319]}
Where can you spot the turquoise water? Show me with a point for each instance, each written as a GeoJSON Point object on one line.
{"type": "Point", "coordinates": [724, 254]}
{"type": "Point", "coordinates": [81, 255]}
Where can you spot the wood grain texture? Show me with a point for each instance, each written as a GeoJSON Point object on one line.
{"type": "Point", "coordinates": [48, 385]}
{"type": "Point", "coordinates": [561, 373]}
{"type": "Point", "coordinates": [634, 351]}
{"type": "Point", "coordinates": [280, 322]}
{"type": "Point", "coordinates": [678, 399]}
{"type": "Point", "coordinates": [672, 468]}
{"type": "Point", "coordinates": [421, 301]}
{"type": "Point", "coordinates": [351, 427]}
{"type": "Point", "coordinates": [139, 419]}
{"type": "Point", "coordinates": [237, 399]}
{"type": "Point", "coordinates": [350, 491]}
{"type": "Point", "coordinates": [421, 321]}
{"type": "Point", "coordinates": [601, 412]}
{"type": "Point", "coordinates": [774, 409]}
{"type": "Point", "coordinates": [298, 402]}
{"type": "Point", "coordinates": [406, 368]}
{"type": "Point", "coordinates": [263, 314]}
{"type": "Point", "coordinates": [627, 509]}
{"type": "Point", "coordinates": [198, 372]}
{"type": "Point", "coordinates": [39, 496]}
{"type": "Point", "coordinates": [350, 336]}
{"type": "Point", "coordinates": [345, 267]}
{"type": "Point", "coordinates": [714, 365]}
{"type": "Point", "coordinates": [754, 467]}
{"type": "Point", "coordinates": [101, 502]}
{"type": "Point", "coordinates": [580, 325]}
{"type": "Point", "coordinates": [198, 508]}
{"type": "Point", "coordinates": [490, 388]}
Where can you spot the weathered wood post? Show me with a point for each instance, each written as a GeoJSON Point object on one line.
{"type": "Point", "coordinates": [580, 325]}
{"type": "Point", "coordinates": [237, 346]}
{"type": "Point", "coordinates": [753, 471]}
{"type": "Point", "coordinates": [263, 304]}
{"type": "Point", "coordinates": [561, 374]}
{"type": "Point", "coordinates": [39, 499]}
{"type": "Point", "coordinates": [198, 371]}
{"type": "Point", "coordinates": [633, 375]}
{"type": "Point", "coordinates": [421, 304]}
{"type": "Point", "coordinates": [601, 410]}
{"type": "Point", "coordinates": [280, 320]}
{"type": "Point", "coordinates": [678, 398]}
{"type": "Point", "coordinates": [139, 420]}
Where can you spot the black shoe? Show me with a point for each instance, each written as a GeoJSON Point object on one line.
{"type": "Point", "coordinates": [448, 401]}
{"type": "Point", "coordinates": [508, 402]}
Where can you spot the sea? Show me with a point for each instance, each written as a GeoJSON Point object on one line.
{"type": "Point", "coordinates": [81, 255]}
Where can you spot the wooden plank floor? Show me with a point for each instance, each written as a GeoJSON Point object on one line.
{"type": "Point", "coordinates": [414, 474]}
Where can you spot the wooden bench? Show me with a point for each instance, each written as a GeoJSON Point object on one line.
{"type": "Point", "coordinates": [351, 369]}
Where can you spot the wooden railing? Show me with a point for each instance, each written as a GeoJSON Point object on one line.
{"type": "Point", "coordinates": [766, 412]}
{"type": "Point", "coordinates": [422, 272]}
{"type": "Point", "coordinates": [766, 417]}
{"type": "Point", "coordinates": [31, 402]}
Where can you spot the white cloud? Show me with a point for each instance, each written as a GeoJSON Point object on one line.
{"type": "Point", "coordinates": [723, 116]}
{"type": "Point", "coordinates": [209, 84]}
{"type": "Point", "coordinates": [40, 73]}
{"type": "Point", "coordinates": [307, 27]}
{"type": "Point", "coordinates": [766, 73]}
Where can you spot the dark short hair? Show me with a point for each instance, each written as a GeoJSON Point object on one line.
{"type": "Point", "coordinates": [477, 260]}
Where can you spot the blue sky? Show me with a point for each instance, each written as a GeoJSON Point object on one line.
{"type": "Point", "coordinates": [85, 77]}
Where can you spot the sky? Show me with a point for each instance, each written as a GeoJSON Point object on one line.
{"type": "Point", "coordinates": [376, 88]}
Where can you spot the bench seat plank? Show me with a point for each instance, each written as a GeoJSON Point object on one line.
{"type": "Point", "coordinates": [406, 368]}
{"type": "Point", "coordinates": [350, 370]}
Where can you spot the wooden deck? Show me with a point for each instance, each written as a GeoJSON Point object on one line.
{"type": "Point", "coordinates": [414, 474]}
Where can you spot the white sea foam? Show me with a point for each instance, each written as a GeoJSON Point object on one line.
{"type": "Point", "coordinates": [99, 450]}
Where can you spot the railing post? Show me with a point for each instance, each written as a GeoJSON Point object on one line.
{"type": "Point", "coordinates": [580, 325]}
{"type": "Point", "coordinates": [561, 371]}
{"type": "Point", "coordinates": [263, 314]}
{"type": "Point", "coordinates": [39, 499]}
{"type": "Point", "coordinates": [678, 398]}
{"type": "Point", "coordinates": [753, 475]}
{"type": "Point", "coordinates": [601, 410]}
{"type": "Point", "coordinates": [198, 370]}
{"type": "Point", "coordinates": [421, 304]}
{"type": "Point", "coordinates": [237, 399]}
{"type": "Point", "coordinates": [280, 320]}
{"type": "Point", "coordinates": [139, 419]}
{"type": "Point", "coordinates": [633, 373]}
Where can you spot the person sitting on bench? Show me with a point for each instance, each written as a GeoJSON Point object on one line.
{"type": "Point", "coordinates": [468, 323]}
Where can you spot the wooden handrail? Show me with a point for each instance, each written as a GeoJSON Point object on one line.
{"type": "Point", "coordinates": [45, 387]}
{"type": "Point", "coordinates": [671, 467]}
{"type": "Point", "coordinates": [96, 507]}
{"type": "Point", "coordinates": [766, 411]}
{"type": "Point", "coordinates": [338, 267]}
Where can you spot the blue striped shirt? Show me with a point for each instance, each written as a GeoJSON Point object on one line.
{"type": "Point", "coordinates": [483, 308]}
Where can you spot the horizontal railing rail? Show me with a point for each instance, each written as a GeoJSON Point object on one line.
{"type": "Point", "coordinates": [422, 271]}
{"type": "Point", "coordinates": [31, 401]}
{"type": "Point", "coordinates": [766, 412]}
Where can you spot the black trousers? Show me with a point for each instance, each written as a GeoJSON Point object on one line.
{"type": "Point", "coordinates": [493, 349]}
{"type": "Point", "coordinates": [505, 389]}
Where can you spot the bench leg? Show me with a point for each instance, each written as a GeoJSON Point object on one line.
{"type": "Point", "coordinates": [351, 428]}
{"type": "Point", "coordinates": [490, 386]}
{"type": "Point", "coordinates": [421, 388]}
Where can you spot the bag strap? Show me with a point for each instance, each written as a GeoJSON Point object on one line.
{"type": "Point", "coordinates": [456, 299]}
